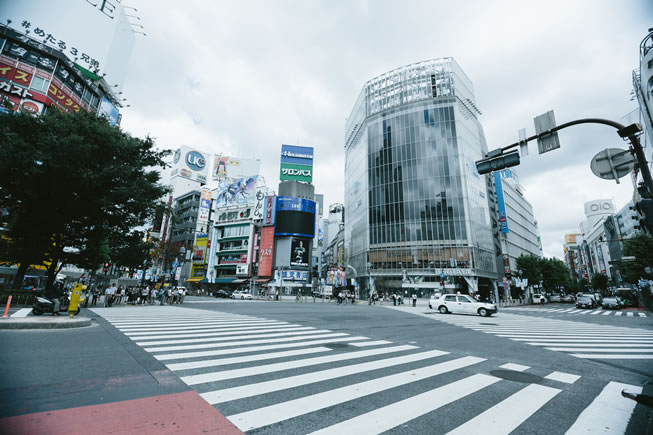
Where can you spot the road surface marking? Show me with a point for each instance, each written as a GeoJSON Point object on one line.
{"type": "Point", "coordinates": [228, 394]}
{"type": "Point", "coordinates": [600, 349]}
{"type": "Point", "coordinates": [607, 313]}
{"type": "Point", "coordinates": [641, 314]}
{"type": "Point", "coordinates": [223, 375]}
{"type": "Point", "coordinates": [507, 415]}
{"type": "Point", "coordinates": [371, 343]}
{"type": "Point", "coordinates": [515, 367]}
{"type": "Point", "coordinates": [243, 359]}
{"type": "Point", "coordinates": [608, 356]}
{"type": "Point", "coordinates": [596, 312]}
{"type": "Point", "coordinates": [608, 413]}
{"type": "Point", "coordinates": [181, 328]}
{"type": "Point", "coordinates": [567, 378]}
{"type": "Point", "coordinates": [618, 313]}
{"type": "Point", "coordinates": [171, 356]}
{"type": "Point", "coordinates": [629, 314]}
{"type": "Point", "coordinates": [390, 416]}
{"type": "Point", "coordinates": [23, 312]}
{"type": "Point", "coordinates": [242, 343]}
{"type": "Point", "coordinates": [215, 339]}
{"type": "Point", "coordinates": [220, 333]}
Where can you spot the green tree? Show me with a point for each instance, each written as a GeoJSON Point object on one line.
{"type": "Point", "coordinates": [530, 267]}
{"type": "Point", "coordinates": [582, 285]}
{"type": "Point", "coordinates": [70, 184]}
{"type": "Point", "coordinates": [639, 246]}
{"type": "Point", "coordinates": [555, 274]}
{"type": "Point", "coordinates": [600, 282]}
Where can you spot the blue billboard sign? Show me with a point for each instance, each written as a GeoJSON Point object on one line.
{"type": "Point", "coordinates": [297, 155]}
{"type": "Point", "coordinates": [295, 217]}
{"type": "Point", "coordinates": [503, 218]}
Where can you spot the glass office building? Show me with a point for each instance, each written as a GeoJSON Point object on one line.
{"type": "Point", "coordinates": [417, 216]}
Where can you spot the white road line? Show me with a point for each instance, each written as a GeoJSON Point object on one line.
{"type": "Point", "coordinates": [629, 314]}
{"type": "Point", "coordinates": [618, 313]}
{"type": "Point", "coordinates": [597, 343]}
{"type": "Point", "coordinates": [218, 332]}
{"type": "Point", "coordinates": [243, 359]}
{"type": "Point", "coordinates": [23, 312]}
{"type": "Point", "coordinates": [208, 326]}
{"type": "Point", "coordinates": [390, 416]}
{"type": "Point", "coordinates": [567, 378]}
{"type": "Point", "coordinates": [182, 323]}
{"type": "Point", "coordinates": [540, 337]}
{"type": "Point", "coordinates": [608, 413]}
{"type": "Point", "coordinates": [215, 338]}
{"type": "Point", "coordinates": [184, 355]}
{"type": "Point", "coordinates": [607, 313]}
{"type": "Point", "coordinates": [575, 311]}
{"type": "Point", "coordinates": [228, 394]}
{"type": "Point", "coordinates": [507, 415]}
{"type": "Point", "coordinates": [288, 365]}
{"type": "Point", "coordinates": [641, 314]}
{"type": "Point", "coordinates": [515, 367]}
{"type": "Point", "coordinates": [607, 356]}
{"type": "Point", "coordinates": [371, 343]}
{"type": "Point", "coordinates": [599, 349]}
{"type": "Point", "coordinates": [293, 408]}
{"type": "Point", "coordinates": [596, 312]}
{"type": "Point", "coordinates": [567, 310]}
{"type": "Point", "coordinates": [246, 342]}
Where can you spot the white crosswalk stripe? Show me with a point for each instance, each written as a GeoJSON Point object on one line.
{"type": "Point", "coordinates": [257, 358]}
{"type": "Point", "coordinates": [575, 311]}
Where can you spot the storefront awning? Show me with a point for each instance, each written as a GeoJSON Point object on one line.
{"type": "Point", "coordinates": [264, 280]}
{"type": "Point", "coordinates": [193, 279]}
{"type": "Point", "coordinates": [238, 281]}
{"type": "Point", "coordinates": [224, 280]}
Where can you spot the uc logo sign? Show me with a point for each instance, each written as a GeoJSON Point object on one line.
{"type": "Point", "coordinates": [195, 161]}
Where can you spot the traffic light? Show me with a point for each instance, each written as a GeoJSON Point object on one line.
{"type": "Point", "coordinates": [645, 209]}
{"type": "Point", "coordinates": [496, 160]}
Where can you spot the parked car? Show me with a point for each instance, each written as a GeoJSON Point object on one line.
{"type": "Point", "coordinates": [539, 298]}
{"type": "Point", "coordinates": [611, 304]}
{"type": "Point", "coordinates": [585, 302]}
{"type": "Point", "coordinates": [462, 304]}
{"type": "Point", "coordinates": [222, 294]}
{"type": "Point", "coordinates": [239, 294]}
{"type": "Point", "coordinates": [569, 298]}
{"type": "Point", "coordinates": [555, 298]}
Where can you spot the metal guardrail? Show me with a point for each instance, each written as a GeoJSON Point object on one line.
{"type": "Point", "coordinates": [17, 299]}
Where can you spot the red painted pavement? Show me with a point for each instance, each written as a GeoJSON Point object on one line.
{"type": "Point", "coordinates": [185, 413]}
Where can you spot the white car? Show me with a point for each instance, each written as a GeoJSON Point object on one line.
{"type": "Point", "coordinates": [434, 297]}
{"type": "Point", "coordinates": [241, 295]}
{"type": "Point", "coordinates": [462, 304]}
{"type": "Point", "coordinates": [539, 299]}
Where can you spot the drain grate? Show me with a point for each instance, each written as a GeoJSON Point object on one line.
{"type": "Point", "coordinates": [511, 375]}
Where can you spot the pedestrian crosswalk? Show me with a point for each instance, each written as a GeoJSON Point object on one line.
{"type": "Point", "coordinates": [265, 374]}
{"type": "Point", "coordinates": [579, 339]}
{"type": "Point", "coordinates": [580, 312]}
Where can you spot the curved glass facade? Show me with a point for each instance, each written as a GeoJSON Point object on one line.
{"type": "Point", "coordinates": [415, 204]}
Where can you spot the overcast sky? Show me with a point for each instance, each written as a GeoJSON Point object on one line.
{"type": "Point", "coordinates": [241, 78]}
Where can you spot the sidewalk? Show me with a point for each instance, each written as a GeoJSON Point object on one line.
{"type": "Point", "coordinates": [47, 321]}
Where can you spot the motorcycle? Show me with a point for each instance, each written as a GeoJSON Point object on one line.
{"type": "Point", "coordinates": [43, 305]}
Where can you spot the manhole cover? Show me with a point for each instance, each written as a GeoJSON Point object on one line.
{"type": "Point", "coordinates": [336, 345]}
{"type": "Point", "coordinates": [511, 375]}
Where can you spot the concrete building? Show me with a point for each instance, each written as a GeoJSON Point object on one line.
{"type": "Point", "coordinates": [595, 240]}
{"type": "Point", "coordinates": [416, 209]}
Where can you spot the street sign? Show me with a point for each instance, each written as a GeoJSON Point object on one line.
{"type": "Point", "coordinates": [543, 123]}
{"type": "Point", "coordinates": [612, 164]}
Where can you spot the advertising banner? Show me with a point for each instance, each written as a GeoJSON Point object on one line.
{"type": "Point", "coordinates": [296, 172]}
{"type": "Point", "coordinates": [570, 239]}
{"type": "Point", "coordinates": [290, 275]}
{"type": "Point", "coordinates": [269, 211]}
{"type": "Point", "coordinates": [299, 253]}
{"type": "Point", "coordinates": [234, 167]}
{"type": "Point", "coordinates": [199, 256]}
{"type": "Point", "coordinates": [190, 163]}
{"type": "Point", "coordinates": [109, 111]}
{"type": "Point", "coordinates": [258, 207]}
{"type": "Point", "coordinates": [296, 163]}
{"type": "Point", "coordinates": [237, 191]}
{"type": "Point", "coordinates": [503, 218]}
{"type": "Point", "coordinates": [205, 206]}
{"type": "Point", "coordinates": [295, 217]}
{"type": "Point", "coordinates": [266, 252]}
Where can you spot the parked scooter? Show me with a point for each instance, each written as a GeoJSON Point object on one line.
{"type": "Point", "coordinates": [43, 305]}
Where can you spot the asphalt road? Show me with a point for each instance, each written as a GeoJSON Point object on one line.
{"type": "Point", "coordinates": [284, 367]}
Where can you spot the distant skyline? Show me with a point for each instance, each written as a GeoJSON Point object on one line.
{"type": "Point", "coordinates": [243, 78]}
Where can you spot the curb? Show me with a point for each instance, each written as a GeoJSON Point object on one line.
{"type": "Point", "coordinates": [44, 323]}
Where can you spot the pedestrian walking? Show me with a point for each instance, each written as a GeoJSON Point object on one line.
{"type": "Point", "coordinates": [394, 299]}
{"type": "Point", "coordinates": [144, 294]}
{"type": "Point", "coordinates": [95, 293]}
{"type": "Point", "coordinates": [107, 296]}
{"type": "Point", "coordinates": [414, 300]}
{"type": "Point", "coordinates": [182, 293]}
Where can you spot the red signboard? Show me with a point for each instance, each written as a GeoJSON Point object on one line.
{"type": "Point", "coordinates": [266, 252]}
{"type": "Point", "coordinates": [63, 99]}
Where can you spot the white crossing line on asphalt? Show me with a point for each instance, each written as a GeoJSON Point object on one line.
{"type": "Point", "coordinates": [23, 312]}
{"type": "Point", "coordinates": [288, 365]}
{"type": "Point", "coordinates": [641, 314]}
{"type": "Point", "coordinates": [194, 329]}
{"type": "Point", "coordinates": [607, 356]}
{"type": "Point", "coordinates": [515, 367]}
{"type": "Point", "coordinates": [229, 394]}
{"type": "Point", "coordinates": [214, 339]}
{"type": "Point", "coordinates": [600, 349]}
{"type": "Point", "coordinates": [242, 359]}
{"type": "Point", "coordinates": [371, 343]}
{"type": "Point", "coordinates": [293, 408]}
{"type": "Point", "coordinates": [618, 313]}
{"type": "Point", "coordinates": [607, 313]}
{"type": "Point", "coordinates": [562, 377]}
{"type": "Point", "coordinates": [182, 355]}
{"type": "Point", "coordinates": [609, 410]}
{"type": "Point", "coordinates": [629, 314]}
{"type": "Point", "coordinates": [390, 416]}
{"type": "Point", "coordinates": [276, 332]}
{"type": "Point", "coordinates": [507, 415]}
{"type": "Point", "coordinates": [594, 343]}
{"type": "Point", "coordinates": [596, 312]}
{"type": "Point", "coordinates": [228, 344]}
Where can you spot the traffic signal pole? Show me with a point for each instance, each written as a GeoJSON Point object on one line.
{"type": "Point", "coordinates": [626, 132]}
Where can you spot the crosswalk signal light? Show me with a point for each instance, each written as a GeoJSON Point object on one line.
{"type": "Point", "coordinates": [496, 161]}
{"type": "Point", "coordinates": [645, 209]}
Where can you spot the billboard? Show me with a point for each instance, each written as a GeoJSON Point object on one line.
{"type": "Point", "coordinates": [234, 167]}
{"type": "Point", "coordinates": [295, 217]}
{"type": "Point", "coordinates": [199, 256]}
{"type": "Point", "coordinates": [266, 252]}
{"type": "Point", "coordinates": [190, 163]}
{"type": "Point", "coordinates": [269, 210]}
{"type": "Point", "coordinates": [501, 205]}
{"type": "Point", "coordinates": [205, 206]}
{"type": "Point", "coordinates": [109, 111]}
{"type": "Point", "coordinates": [570, 239]}
{"type": "Point", "coordinates": [237, 191]}
{"type": "Point", "coordinates": [299, 253]}
{"type": "Point", "coordinates": [296, 163]}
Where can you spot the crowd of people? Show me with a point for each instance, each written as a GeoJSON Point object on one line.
{"type": "Point", "coordinates": [147, 295]}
